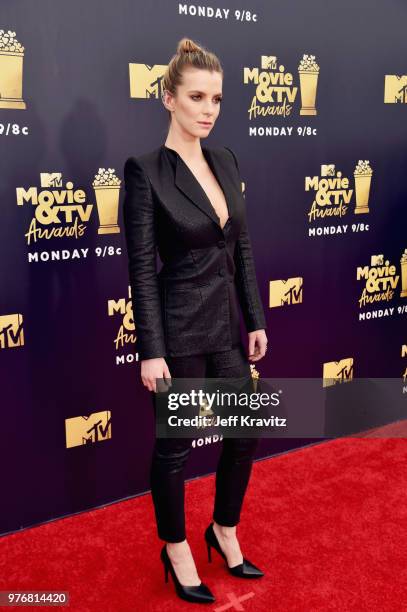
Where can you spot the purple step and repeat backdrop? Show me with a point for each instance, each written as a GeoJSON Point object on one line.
{"type": "Point", "coordinates": [315, 108]}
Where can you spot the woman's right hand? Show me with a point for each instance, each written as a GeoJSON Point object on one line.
{"type": "Point", "coordinates": [152, 369]}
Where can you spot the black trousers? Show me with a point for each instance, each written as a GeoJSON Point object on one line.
{"type": "Point", "coordinates": [170, 455]}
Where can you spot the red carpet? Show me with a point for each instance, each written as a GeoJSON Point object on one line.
{"type": "Point", "coordinates": [328, 525]}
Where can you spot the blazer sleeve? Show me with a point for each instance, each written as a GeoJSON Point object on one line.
{"type": "Point", "coordinates": [246, 281]}
{"type": "Point", "coordinates": [138, 217]}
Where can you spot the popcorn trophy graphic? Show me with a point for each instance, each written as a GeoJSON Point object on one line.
{"type": "Point", "coordinates": [205, 409]}
{"type": "Point", "coordinates": [255, 375]}
{"type": "Point", "coordinates": [363, 177]}
{"type": "Point", "coordinates": [107, 189]}
{"type": "Point", "coordinates": [403, 262]}
{"type": "Point", "coordinates": [11, 71]}
{"type": "Point", "coordinates": [308, 71]}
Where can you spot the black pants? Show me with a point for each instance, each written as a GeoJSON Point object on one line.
{"type": "Point", "coordinates": [170, 455]}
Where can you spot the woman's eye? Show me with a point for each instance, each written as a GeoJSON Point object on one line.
{"type": "Point", "coordinates": [198, 96]}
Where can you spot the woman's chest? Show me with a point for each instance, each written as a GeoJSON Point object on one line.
{"type": "Point", "coordinates": [182, 223]}
{"type": "Point", "coordinates": [214, 193]}
{"type": "Point", "coordinates": [194, 211]}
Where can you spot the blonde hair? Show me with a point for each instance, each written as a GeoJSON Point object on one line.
{"type": "Point", "coordinates": [188, 54]}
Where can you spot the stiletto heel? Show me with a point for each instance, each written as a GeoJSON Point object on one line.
{"type": "Point", "coordinates": [209, 553]}
{"type": "Point", "coordinates": [195, 594]}
{"type": "Point", "coordinates": [242, 570]}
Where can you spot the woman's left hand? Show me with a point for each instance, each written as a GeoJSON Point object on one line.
{"type": "Point", "coordinates": [257, 344]}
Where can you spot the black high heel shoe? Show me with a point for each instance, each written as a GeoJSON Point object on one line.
{"type": "Point", "coordinates": [196, 594]}
{"type": "Point", "coordinates": [242, 570]}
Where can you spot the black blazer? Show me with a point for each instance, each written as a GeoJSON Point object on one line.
{"type": "Point", "coordinates": [184, 309]}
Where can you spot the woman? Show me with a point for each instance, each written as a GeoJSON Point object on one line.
{"type": "Point", "coordinates": [186, 200]}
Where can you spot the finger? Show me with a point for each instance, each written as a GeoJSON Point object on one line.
{"type": "Point", "coordinates": [261, 348]}
{"type": "Point", "coordinates": [261, 351]}
{"type": "Point", "coordinates": [251, 345]}
{"type": "Point", "coordinates": [256, 348]}
{"type": "Point", "coordinates": [149, 383]}
{"type": "Point", "coordinates": [167, 376]}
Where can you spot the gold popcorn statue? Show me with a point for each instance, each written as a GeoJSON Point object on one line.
{"type": "Point", "coordinates": [255, 375]}
{"type": "Point", "coordinates": [107, 190]}
{"type": "Point", "coordinates": [11, 71]}
{"type": "Point", "coordinates": [308, 71]}
{"type": "Point", "coordinates": [363, 177]}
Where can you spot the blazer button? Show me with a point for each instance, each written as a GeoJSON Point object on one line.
{"type": "Point", "coordinates": [221, 244]}
{"type": "Point", "coordinates": [222, 272]}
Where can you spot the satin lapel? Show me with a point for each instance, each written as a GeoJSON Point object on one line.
{"type": "Point", "coordinates": [190, 186]}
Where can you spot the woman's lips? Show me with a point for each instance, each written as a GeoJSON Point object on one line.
{"type": "Point", "coordinates": [204, 123]}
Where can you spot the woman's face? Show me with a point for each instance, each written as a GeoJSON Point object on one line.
{"type": "Point", "coordinates": [197, 103]}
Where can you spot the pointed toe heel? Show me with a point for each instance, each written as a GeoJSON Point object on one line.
{"type": "Point", "coordinates": [242, 570]}
{"type": "Point", "coordinates": [193, 594]}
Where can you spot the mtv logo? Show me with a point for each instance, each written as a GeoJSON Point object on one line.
{"type": "Point", "coordinates": [395, 89]}
{"type": "Point", "coordinates": [285, 292]}
{"type": "Point", "coordinates": [88, 429]}
{"type": "Point", "coordinates": [11, 331]}
{"type": "Point", "coordinates": [328, 170]}
{"type": "Point", "coordinates": [51, 179]}
{"type": "Point", "coordinates": [145, 80]}
{"type": "Point", "coordinates": [376, 260]}
{"type": "Point", "coordinates": [269, 62]}
{"type": "Point", "coordinates": [337, 371]}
